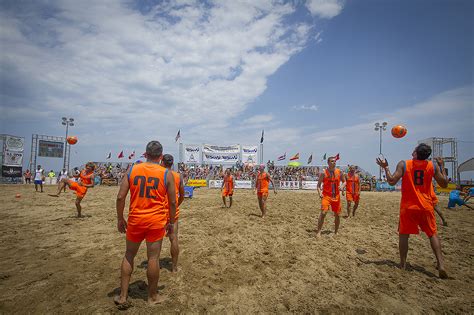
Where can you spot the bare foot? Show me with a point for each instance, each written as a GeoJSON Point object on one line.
{"type": "Point", "coordinates": [443, 274]}
{"type": "Point", "coordinates": [445, 223]}
{"type": "Point", "coordinates": [122, 303]}
{"type": "Point", "coordinates": [156, 300]}
{"type": "Point", "coordinates": [318, 234]}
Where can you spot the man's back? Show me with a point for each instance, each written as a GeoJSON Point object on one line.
{"type": "Point", "coordinates": [147, 193]}
{"type": "Point", "coordinates": [417, 185]}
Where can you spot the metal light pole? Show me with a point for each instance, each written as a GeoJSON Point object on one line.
{"type": "Point", "coordinates": [380, 127]}
{"type": "Point", "coordinates": [67, 122]}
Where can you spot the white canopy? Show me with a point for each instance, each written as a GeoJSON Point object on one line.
{"type": "Point", "coordinates": [466, 166]}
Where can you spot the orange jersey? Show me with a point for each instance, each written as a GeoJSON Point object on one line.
{"type": "Point", "coordinates": [177, 183]}
{"type": "Point", "coordinates": [148, 195]}
{"type": "Point", "coordinates": [331, 183]}
{"type": "Point", "coordinates": [228, 183]}
{"type": "Point", "coordinates": [417, 185]}
{"type": "Point", "coordinates": [86, 178]}
{"type": "Point", "coordinates": [352, 183]}
{"type": "Point", "coordinates": [263, 181]}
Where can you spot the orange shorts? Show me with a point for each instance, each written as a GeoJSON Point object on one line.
{"type": "Point", "coordinates": [335, 204]}
{"type": "Point", "coordinates": [80, 190]}
{"type": "Point", "coordinates": [262, 194]}
{"type": "Point", "coordinates": [226, 193]}
{"type": "Point", "coordinates": [411, 221]}
{"type": "Point", "coordinates": [137, 233]}
{"type": "Point", "coordinates": [352, 197]}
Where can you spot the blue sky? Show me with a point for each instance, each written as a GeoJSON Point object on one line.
{"type": "Point", "coordinates": [315, 74]}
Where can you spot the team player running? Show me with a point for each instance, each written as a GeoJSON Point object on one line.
{"type": "Point", "coordinates": [416, 205]}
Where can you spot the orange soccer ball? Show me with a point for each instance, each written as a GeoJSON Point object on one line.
{"type": "Point", "coordinates": [72, 140]}
{"type": "Point", "coordinates": [399, 131]}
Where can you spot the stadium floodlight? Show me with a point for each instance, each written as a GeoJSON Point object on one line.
{"type": "Point", "coordinates": [380, 127]}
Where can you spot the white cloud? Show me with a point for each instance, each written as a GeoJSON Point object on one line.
{"type": "Point", "coordinates": [306, 108]}
{"type": "Point", "coordinates": [258, 119]}
{"type": "Point", "coordinates": [174, 65]}
{"type": "Point", "coordinates": [325, 8]}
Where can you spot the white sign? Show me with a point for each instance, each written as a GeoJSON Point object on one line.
{"type": "Point", "coordinates": [13, 158]}
{"type": "Point", "coordinates": [230, 149]}
{"type": "Point", "coordinates": [249, 154]}
{"type": "Point", "coordinates": [215, 183]}
{"type": "Point", "coordinates": [14, 143]}
{"type": "Point", "coordinates": [239, 184]}
{"type": "Point", "coordinates": [309, 184]}
{"type": "Point", "coordinates": [243, 184]}
{"type": "Point", "coordinates": [293, 184]}
{"type": "Point", "coordinates": [220, 158]}
{"type": "Point", "coordinates": [192, 154]}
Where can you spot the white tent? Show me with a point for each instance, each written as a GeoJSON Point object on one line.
{"type": "Point", "coordinates": [466, 166]}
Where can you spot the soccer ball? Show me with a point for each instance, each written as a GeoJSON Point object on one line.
{"type": "Point", "coordinates": [72, 140]}
{"type": "Point", "coordinates": [399, 131]}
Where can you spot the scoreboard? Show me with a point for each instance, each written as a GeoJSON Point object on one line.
{"type": "Point", "coordinates": [50, 148]}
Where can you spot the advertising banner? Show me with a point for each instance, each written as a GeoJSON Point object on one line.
{"type": "Point", "coordinates": [451, 186]}
{"type": "Point", "coordinates": [309, 184]}
{"type": "Point", "coordinates": [13, 158]}
{"type": "Point", "coordinates": [230, 149]}
{"type": "Point", "coordinates": [192, 154]}
{"type": "Point", "coordinates": [14, 143]}
{"type": "Point", "coordinates": [243, 184]}
{"type": "Point", "coordinates": [215, 183]}
{"type": "Point", "coordinates": [249, 154]}
{"type": "Point", "coordinates": [12, 171]}
{"type": "Point", "coordinates": [217, 158]}
{"type": "Point", "coordinates": [197, 183]}
{"type": "Point", "coordinates": [294, 184]}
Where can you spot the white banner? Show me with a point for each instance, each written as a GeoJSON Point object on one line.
{"type": "Point", "coordinates": [13, 158]}
{"type": "Point", "coordinates": [294, 184]}
{"type": "Point", "coordinates": [243, 184]}
{"type": "Point", "coordinates": [309, 184]}
{"type": "Point", "coordinates": [230, 149]}
{"type": "Point", "coordinates": [249, 154]}
{"type": "Point", "coordinates": [14, 143]}
{"type": "Point", "coordinates": [192, 154]}
{"type": "Point", "coordinates": [239, 184]}
{"type": "Point", "coordinates": [220, 158]}
{"type": "Point", "coordinates": [215, 183]}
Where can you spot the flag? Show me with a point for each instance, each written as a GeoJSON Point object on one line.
{"type": "Point", "coordinates": [131, 155]}
{"type": "Point", "coordinates": [120, 155]}
{"type": "Point", "coordinates": [310, 159]}
{"type": "Point", "coordinates": [261, 139]}
{"type": "Point", "coordinates": [282, 158]}
{"type": "Point", "coordinates": [324, 157]}
{"type": "Point", "coordinates": [295, 157]}
{"type": "Point", "coordinates": [110, 155]}
{"type": "Point", "coordinates": [336, 157]}
{"type": "Point", "coordinates": [178, 135]}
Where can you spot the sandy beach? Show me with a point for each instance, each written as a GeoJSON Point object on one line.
{"type": "Point", "coordinates": [231, 260]}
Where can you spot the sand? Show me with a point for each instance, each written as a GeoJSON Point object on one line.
{"type": "Point", "coordinates": [231, 260]}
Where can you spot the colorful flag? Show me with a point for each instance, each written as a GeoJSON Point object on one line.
{"type": "Point", "coordinates": [261, 139]}
{"type": "Point", "coordinates": [120, 155]}
{"type": "Point", "coordinates": [336, 157]}
{"type": "Point", "coordinates": [324, 157]}
{"type": "Point", "coordinates": [282, 158]}
{"type": "Point", "coordinates": [310, 159]}
{"type": "Point", "coordinates": [178, 135]}
{"type": "Point", "coordinates": [110, 155]}
{"type": "Point", "coordinates": [131, 155]}
{"type": "Point", "coordinates": [295, 157]}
